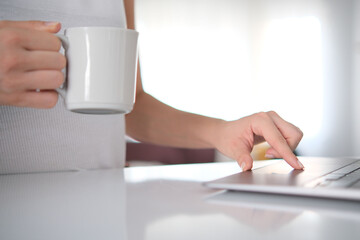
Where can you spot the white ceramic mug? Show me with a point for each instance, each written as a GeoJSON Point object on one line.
{"type": "Point", "coordinates": [101, 69]}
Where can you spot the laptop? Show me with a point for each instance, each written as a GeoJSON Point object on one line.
{"type": "Point", "coordinates": [336, 178]}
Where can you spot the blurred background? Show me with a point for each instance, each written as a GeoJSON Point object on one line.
{"type": "Point", "coordinates": [231, 58]}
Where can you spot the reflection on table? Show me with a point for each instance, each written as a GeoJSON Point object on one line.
{"type": "Point", "coordinates": [162, 202]}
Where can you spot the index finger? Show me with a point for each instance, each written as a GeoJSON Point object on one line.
{"type": "Point", "coordinates": [48, 26]}
{"type": "Point", "coordinates": [291, 133]}
{"type": "Point", "coordinates": [39, 40]}
{"type": "Point", "coordinates": [277, 141]}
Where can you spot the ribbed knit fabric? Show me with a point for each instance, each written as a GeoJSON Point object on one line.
{"type": "Point", "coordinates": [33, 140]}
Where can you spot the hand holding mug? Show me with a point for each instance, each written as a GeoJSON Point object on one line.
{"type": "Point", "coordinates": [30, 60]}
{"type": "Point", "coordinates": [101, 69]}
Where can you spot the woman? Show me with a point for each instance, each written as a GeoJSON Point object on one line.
{"type": "Point", "coordinates": [37, 133]}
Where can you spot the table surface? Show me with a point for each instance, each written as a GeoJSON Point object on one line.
{"type": "Point", "coordinates": [162, 202]}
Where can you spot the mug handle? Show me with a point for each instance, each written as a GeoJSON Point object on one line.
{"type": "Point", "coordinates": [65, 44]}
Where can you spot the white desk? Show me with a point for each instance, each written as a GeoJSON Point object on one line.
{"type": "Point", "coordinates": [162, 202]}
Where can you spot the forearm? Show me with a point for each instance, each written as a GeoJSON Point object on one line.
{"type": "Point", "coordinates": [155, 122]}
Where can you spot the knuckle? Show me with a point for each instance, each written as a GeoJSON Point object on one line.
{"type": "Point", "coordinates": [54, 42]}
{"type": "Point", "coordinates": [32, 24]}
{"type": "Point", "coordinates": [272, 113]}
{"type": "Point", "coordinates": [58, 60]}
{"type": "Point", "coordinates": [51, 100]}
{"type": "Point", "coordinates": [58, 78]}
{"type": "Point", "coordinates": [10, 60]}
{"type": "Point", "coordinates": [62, 61]}
{"type": "Point", "coordinates": [297, 133]}
{"type": "Point", "coordinates": [9, 37]}
{"type": "Point", "coordinates": [300, 133]}
{"type": "Point", "coordinates": [57, 44]}
{"type": "Point", "coordinates": [262, 116]}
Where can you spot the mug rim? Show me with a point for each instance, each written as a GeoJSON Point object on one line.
{"type": "Point", "coordinates": [100, 28]}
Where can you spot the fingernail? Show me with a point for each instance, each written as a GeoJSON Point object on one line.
{"type": "Point", "coordinates": [300, 164]}
{"type": "Point", "coordinates": [242, 166]}
{"type": "Point", "coordinates": [50, 23]}
{"type": "Point", "coordinates": [269, 156]}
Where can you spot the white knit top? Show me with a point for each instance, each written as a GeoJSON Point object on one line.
{"type": "Point", "coordinates": [33, 140]}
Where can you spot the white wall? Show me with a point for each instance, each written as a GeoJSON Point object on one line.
{"type": "Point", "coordinates": [335, 135]}
{"type": "Point", "coordinates": [356, 80]}
{"type": "Point", "coordinates": [213, 50]}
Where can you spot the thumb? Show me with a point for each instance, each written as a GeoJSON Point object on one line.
{"type": "Point", "coordinates": [51, 27]}
{"type": "Point", "coordinates": [245, 161]}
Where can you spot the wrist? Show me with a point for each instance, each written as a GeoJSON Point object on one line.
{"type": "Point", "coordinates": [212, 131]}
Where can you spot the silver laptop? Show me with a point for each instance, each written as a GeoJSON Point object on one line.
{"type": "Point", "coordinates": [322, 177]}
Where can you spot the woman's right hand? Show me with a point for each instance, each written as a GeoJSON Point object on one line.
{"type": "Point", "coordinates": [30, 63]}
